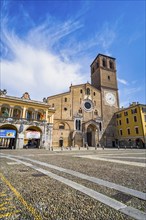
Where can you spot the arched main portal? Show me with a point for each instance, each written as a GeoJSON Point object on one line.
{"type": "Point", "coordinates": [8, 136]}
{"type": "Point", "coordinates": [92, 135]}
{"type": "Point", "coordinates": [32, 137]}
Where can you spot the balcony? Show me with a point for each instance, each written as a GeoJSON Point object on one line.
{"type": "Point", "coordinates": [25, 121]}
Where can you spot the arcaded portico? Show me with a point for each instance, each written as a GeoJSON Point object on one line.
{"type": "Point", "coordinates": [25, 122]}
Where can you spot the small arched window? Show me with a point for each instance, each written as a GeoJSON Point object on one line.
{"type": "Point", "coordinates": [5, 111]}
{"type": "Point", "coordinates": [38, 116]}
{"type": "Point", "coordinates": [94, 93]}
{"type": "Point", "coordinates": [88, 91]}
{"type": "Point", "coordinates": [29, 115]}
{"type": "Point", "coordinates": [93, 70]}
{"type": "Point", "coordinates": [111, 64]}
{"type": "Point", "coordinates": [104, 63]}
{"type": "Point", "coordinates": [16, 113]}
{"type": "Point", "coordinates": [80, 111]}
{"type": "Point", "coordinates": [65, 99]}
{"type": "Point", "coordinates": [95, 112]}
{"type": "Point", "coordinates": [81, 91]}
{"type": "Point", "coordinates": [109, 78]}
{"type": "Point", "coordinates": [61, 126]}
{"type": "Point", "coordinates": [65, 109]}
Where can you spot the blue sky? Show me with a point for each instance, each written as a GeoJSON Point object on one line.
{"type": "Point", "coordinates": [47, 45]}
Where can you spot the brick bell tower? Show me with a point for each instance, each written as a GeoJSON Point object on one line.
{"type": "Point", "coordinates": [103, 77]}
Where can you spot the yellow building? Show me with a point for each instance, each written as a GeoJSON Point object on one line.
{"type": "Point", "coordinates": [25, 122]}
{"type": "Point", "coordinates": [131, 125]}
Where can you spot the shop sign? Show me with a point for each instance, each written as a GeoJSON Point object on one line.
{"type": "Point", "coordinates": [32, 135]}
{"type": "Point", "coordinates": [7, 133]}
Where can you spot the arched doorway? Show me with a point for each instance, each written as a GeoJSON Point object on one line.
{"type": "Point", "coordinates": [8, 136]}
{"type": "Point", "coordinates": [32, 137]}
{"type": "Point", "coordinates": [60, 142]}
{"type": "Point", "coordinates": [139, 143]}
{"type": "Point", "coordinates": [91, 135]}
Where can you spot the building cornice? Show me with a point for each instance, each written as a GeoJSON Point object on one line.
{"type": "Point", "coordinates": [21, 101]}
{"type": "Point", "coordinates": [130, 107]}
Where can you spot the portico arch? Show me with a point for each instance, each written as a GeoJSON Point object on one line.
{"type": "Point", "coordinates": [32, 137]}
{"type": "Point", "coordinates": [8, 136]}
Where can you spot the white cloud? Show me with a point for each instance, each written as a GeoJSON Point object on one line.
{"type": "Point", "coordinates": [46, 61]}
{"type": "Point", "coordinates": [129, 95]}
{"type": "Point", "coordinates": [131, 91]}
{"type": "Point", "coordinates": [106, 36]}
{"type": "Point", "coordinates": [134, 37]}
{"type": "Point", "coordinates": [39, 72]}
{"type": "Point", "coordinates": [34, 64]}
{"type": "Point", "coordinates": [123, 81]}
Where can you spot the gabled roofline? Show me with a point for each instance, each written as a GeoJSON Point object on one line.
{"type": "Point", "coordinates": [66, 93]}
{"type": "Point", "coordinates": [60, 94]}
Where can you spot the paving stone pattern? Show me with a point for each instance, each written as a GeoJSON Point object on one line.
{"type": "Point", "coordinates": [57, 201]}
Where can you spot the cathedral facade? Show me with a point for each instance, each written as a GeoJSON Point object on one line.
{"type": "Point", "coordinates": [84, 115]}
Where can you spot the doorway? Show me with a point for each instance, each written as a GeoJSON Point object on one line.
{"type": "Point", "coordinates": [89, 138]}
{"type": "Point", "coordinates": [61, 142]}
{"type": "Point", "coordinates": [92, 137]}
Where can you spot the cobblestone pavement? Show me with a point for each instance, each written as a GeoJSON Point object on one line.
{"type": "Point", "coordinates": [73, 184]}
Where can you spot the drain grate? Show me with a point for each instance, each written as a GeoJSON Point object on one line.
{"type": "Point", "coordinates": [38, 174]}
{"type": "Point", "coordinates": [122, 197]}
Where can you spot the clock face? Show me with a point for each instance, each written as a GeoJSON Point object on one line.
{"type": "Point", "coordinates": [110, 98]}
